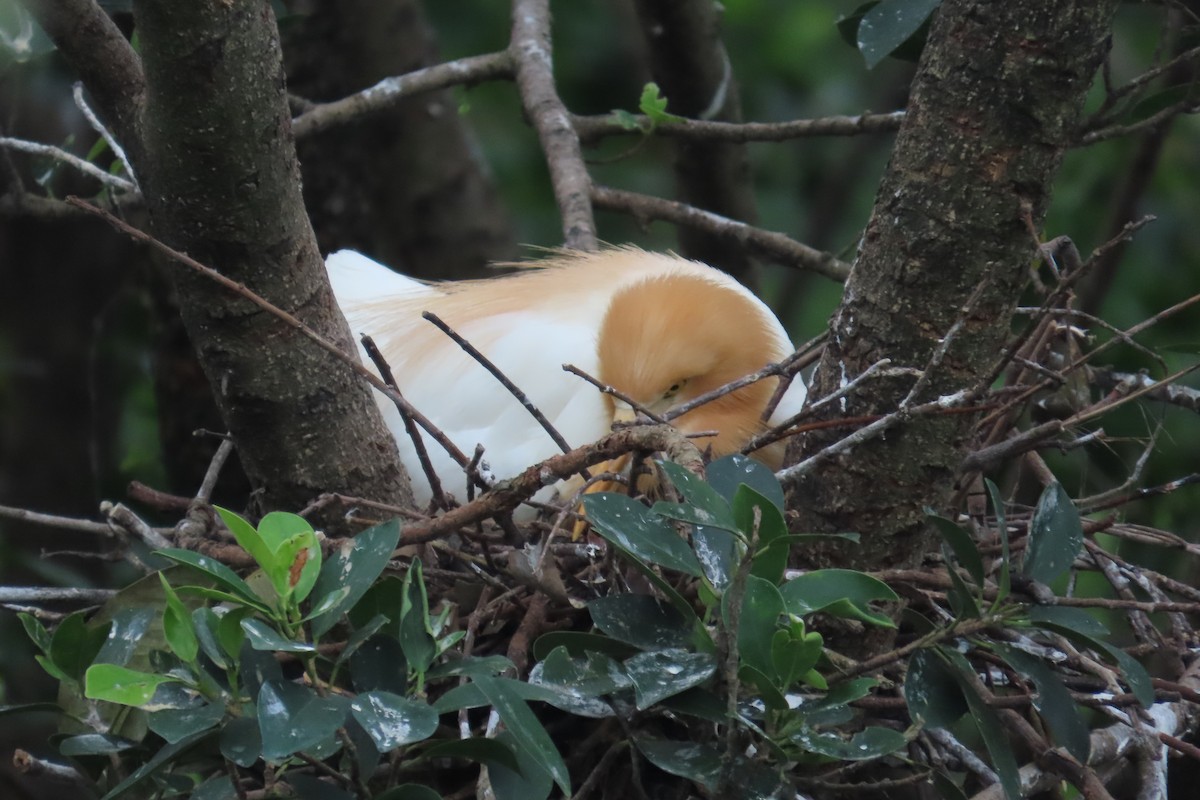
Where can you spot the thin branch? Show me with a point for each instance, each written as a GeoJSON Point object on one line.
{"type": "Point", "coordinates": [594, 128]}
{"type": "Point", "coordinates": [766, 244]}
{"type": "Point", "coordinates": [614, 392]}
{"type": "Point", "coordinates": [531, 49]}
{"type": "Point", "coordinates": [58, 154]}
{"type": "Point", "coordinates": [1189, 105]}
{"type": "Point", "coordinates": [45, 594]}
{"type": "Point", "coordinates": [389, 92]}
{"type": "Point", "coordinates": [105, 133]}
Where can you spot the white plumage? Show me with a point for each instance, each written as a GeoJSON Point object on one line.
{"type": "Point", "coordinates": [531, 323]}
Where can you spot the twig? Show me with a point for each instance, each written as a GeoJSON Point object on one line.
{"type": "Point", "coordinates": [105, 133]}
{"type": "Point", "coordinates": [224, 449]}
{"type": "Point", "coordinates": [388, 92]}
{"type": "Point", "coordinates": [507, 383]}
{"type": "Point", "coordinates": [437, 495]}
{"type": "Point", "coordinates": [593, 128]}
{"type": "Point", "coordinates": [530, 49]}
{"type": "Point", "coordinates": [121, 516]}
{"type": "Point", "coordinates": [43, 594]}
{"type": "Point", "coordinates": [1188, 105]}
{"type": "Point", "coordinates": [782, 369]}
{"type": "Point", "coordinates": [57, 153]}
{"type": "Point", "coordinates": [606, 389]}
{"type": "Point", "coordinates": [766, 244]}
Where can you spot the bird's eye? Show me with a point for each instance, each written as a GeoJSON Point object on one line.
{"type": "Point", "coordinates": [674, 389]}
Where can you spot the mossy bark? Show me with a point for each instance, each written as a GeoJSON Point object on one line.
{"type": "Point", "coordinates": [993, 106]}
{"type": "Point", "coordinates": [222, 183]}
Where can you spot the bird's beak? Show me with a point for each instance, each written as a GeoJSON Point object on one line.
{"type": "Point", "coordinates": [622, 412]}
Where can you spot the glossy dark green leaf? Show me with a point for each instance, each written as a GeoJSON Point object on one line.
{"type": "Point", "coordinates": [593, 674]}
{"type": "Point", "coordinates": [769, 561]}
{"type": "Point", "coordinates": [698, 702]}
{"type": "Point", "coordinates": [762, 606]}
{"type": "Point", "coordinates": [841, 592]}
{"type": "Point", "coordinates": [177, 625]}
{"type": "Point", "coordinates": [630, 526]}
{"type": "Point", "coordinates": [257, 667]}
{"type": "Point", "coordinates": [641, 620]}
{"type": "Point", "coordinates": [718, 552]}
{"type": "Point", "coordinates": [248, 538]}
{"type": "Point", "coordinates": [1139, 680]}
{"type": "Point", "coordinates": [699, 494]}
{"type": "Point", "coordinates": [74, 645]}
{"type": "Point", "coordinates": [35, 630]}
{"type": "Point", "coordinates": [578, 644]}
{"type": "Point", "coordinates": [241, 741]}
{"type": "Point", "coordinates": [416, 638]}
{"type": "Point", "coordinates": [692, 760]}
{"type": "Point", "coordinates": [262, 636]}
{"type": "Point", "coordinates": [889, 25]}
{"type": "Point", "coordinates": [693, 515]}
{"type": "Point", "coordinates": [31, 708]}
{"type": "Point", "coordinates": [160, 759]}
{"type": "Point", "coordinates": [531, 782]}
{"type": "Point", "coordinates": [220, 573]}
{"type": "Point", "coordinates": [230, 635]}
{"type": "Point", "coordinates": [662, 673]}
{"type": "Point", "coordinates": [94, 744]}
{"type": "Point", "coordinates": [409, 791]}
{"type": "Point", "coordinates": [218, 787]}
{"type": "Point", "coordinates": [361, 635]}
{"type": "Point", "coordinates": [844, 693]}
{"type": "Point", "coordinates": [1055, 536]}
{"type": "Point", "coordinates": [962, 600]}
{"type": "Point", "coordinates": [932, 691]}
{"type": "Point", "coordinates": [308, 787]}
{"type": "Point", "coordinates": [485, 751]}
{"type": "Point", "coordinates": [531, 738]}
{"type": "Point", "coordinates": [792, 657]}
{"type": "Point", "coordinates": [379, 664]}
{"type": "Point", "coordinates": [206, 624]}
{"type": "Point", "coordinates": [991, 729]}
{"type": "Point", "coordinates": [174, 724]}
{"type": "Point", "coordinates": [963, 545]}
{"type": "Point", "coordinates": [946, 788]}
{"type": "Point", "coordinates": [872, 742]}
{"type": "Point", "coordinates": [292, 718]}
{"type": "Point", "coordinates": [1053, 702]}
{"type": "Point", "coordinates": [129, 625]}
{"type": "Point", "coordinates": [355, 568]}
{"type": "Point", "coordinates": [392, 720]}
{"type": "Point", "coordinates": [768, 689]}
{"type": "Point", "coordinates": [728, 473]}
{"type": "Point", "coordinates": [468, 695]}
{"type": "Point", "coordinates": [1077, 619]}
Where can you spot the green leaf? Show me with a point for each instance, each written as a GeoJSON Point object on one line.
{"type": "Point", "coordinates": [592, 675]}
{"type": "Point", "coordinates": [728, 473]}
{"type": "Point", "coordinates": [379, 664]}
{"type": "Point", "coordinates": [277, 527]}
{"type": "Point", "coordinates": [526, 730]}
{"type": "Point", "coordinates": [177, 625]}
{"type": "Point", "coordinates": [262, 636]}
{"type": "Point", "coordinates": [579, 644]}
{"type": "Point", "coordinates": [963, 545]}
{"type": "Point", "coordinates": [309, 787]}
{"type": "Point", "coordinates": [841, 592]}
{"type": "Point", "coordinates": [161, 758]}
{"type": "Point", "coordinates": [630, 526]}
{"type": "Point", "coordinates": [416, 638]}
{"type": "Point", "coordinates": [229, 630]}
{"type": "Point", "coordinates": [693, 515]}
{"type": "Point", "coordinates": [697, 762]}
{"type": "Point", "coordinates": [762, 606]}
{"type": "Point", "coordinates": [1076, 619]}
{"type": "Point", "coordinates": [990, 727]}
{"type": "Point", "coordinates": [468, 695]}
{"type": "Point", "coordinates": [35, 630]}
{"type": "Point", "coordinates": [654, 105]}
{"type": "Point", "coordinates": [206, 623]}
{"type": "Point", "coordinates": [471, 666]}
{"type": "Point", "coordinates": [129, 625]}
{"type": "Point", "coordinates": [298, 560]}
{"type": "Point", "coordinates": [872, 742]}
{"type": "Point", "coordinates": [532, 782]}
{"type": "Point", "coordinates": [714, 509]}
{"type": "Point", "coordinates": [769, 562]}
{"type": "Point", "coordinates": [641, 620]}
{"type": "Point", "coordinates": [662, 673]}
{"type": "Point", "coordinates": [718, 552]}
{"type": "Point", "coordinates": [218, 787]}
{"type": "Point", "coordinates": [793, 656]}
{"type": "Point", "coordinates": [175, 724]}
{"type": "Point", "coordinates": [392, 721]}
{"type": "Point", "coordinates": [220, 573]}
{"type": "Point", "coordinates": [889, 25]}
{"type": "Point", "coordinates": [962, 601]}
{"type": "Point", "coordinates": [355, 568]}
{"type": "Point", "coordinates": [1055, 536]}
{"type": "Point", "coordinates": [1052, 701]}
{"type": "Point", "coordinates": [74, 645]}
{"type": "Point", "coordinates": [94, 744]}
{"type": "Point", "coordinates": [626, 120]}
{"type": "Point", "coordinates": [248, 538]}
{"type": "Point", "coordinates": [292, 718]}
{"type": "Point", "coordinates": [121, 685]}
{"type": "Point", "coordinates": [1140, 683]}
{"type": "Point", "coordinates": [931, 690]}
{"type": "Point", "coordinates": [241, 741]}
{"type": "Point", "coordinates": [486, 751]}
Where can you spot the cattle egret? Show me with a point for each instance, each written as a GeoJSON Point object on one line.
{"type": "Point", "coordinates": [659, 328]}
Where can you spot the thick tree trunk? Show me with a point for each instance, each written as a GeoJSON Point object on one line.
{"type": "Point", "coordinates": [222, 183]}
{"type": "Point", "coordinates": [993, 106]}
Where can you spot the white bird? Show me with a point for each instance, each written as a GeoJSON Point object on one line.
{"type": "Point", "coordinates": [661, 329]}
